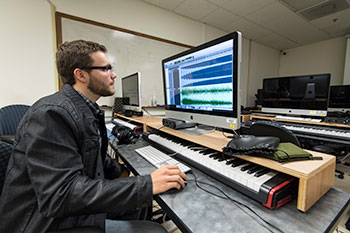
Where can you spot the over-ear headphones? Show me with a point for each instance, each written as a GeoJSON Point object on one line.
{"type": "Point", "coordinates": [123, 134]}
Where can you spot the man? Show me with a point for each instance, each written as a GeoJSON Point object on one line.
{"type": "Point", "coordinates": [59, 175]}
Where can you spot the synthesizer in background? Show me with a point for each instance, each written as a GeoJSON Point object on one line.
{"type": "Point", "coordinates": [338, 120]}
{"type": "Point", "coordinates": [271, 188]}
{"type": "Point", "coordinates": [309, 135]}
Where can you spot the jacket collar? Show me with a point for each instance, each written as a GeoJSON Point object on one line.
{"type": "Point", "coordinates": [79, 101]}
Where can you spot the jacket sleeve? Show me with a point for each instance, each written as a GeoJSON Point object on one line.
{"type": "Point", "coordinates": [55, 169]}
{"type": "Point", "coordinates": [112, 168]}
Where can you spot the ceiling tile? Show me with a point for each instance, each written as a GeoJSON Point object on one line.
{"type": "Point", "coordinates": [272, 12]}
{"type": "Point", "coordinates": [166, 4]}
{"type": "Point", "coordinates": [342, 17]}
{"type": "Point", "coordinates": [241, 25]}
{"type": "Point", "coordinates": [256, 33]}
{"type": "Point", "coordinates": [275, 41]}
{"type": "Point", "coordinates": [338, 30]}
{"type": "Point", "coordinates": [270, 22]}
{"type": "Point", "coordinates": [220, 18]}
{"type": "Point", "coordinates": [219, 2]}
{"type": "Point", "coordinates": [298, 5]}
{"type": "Point", "coordinates": [195, 9]}
{"type": "Point", "coordinates": [244, 7]}
{"type": "Point", "coordinates": [296, 29]}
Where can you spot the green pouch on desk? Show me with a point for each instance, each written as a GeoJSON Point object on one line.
{"type": "Point", "coordinates": [288, 152]}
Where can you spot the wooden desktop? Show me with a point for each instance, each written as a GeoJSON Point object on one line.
{"type": "Point", "coordinates": [316, 177]}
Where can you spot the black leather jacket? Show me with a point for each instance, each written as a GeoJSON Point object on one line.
{"type": "Point", "coordinates": [57, 177]}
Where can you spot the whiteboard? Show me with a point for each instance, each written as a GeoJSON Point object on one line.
{"type": "Point", "coordinates": [129, 54]}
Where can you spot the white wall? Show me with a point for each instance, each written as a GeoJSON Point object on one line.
{"type": "Point", "coordinates": [27, 51]}
{"type": "Point", "coordinates": [263, 62]}
{"type": "Point", "coordinates": [28, 44]}
{"type": "Point", "coordinates": [322, 57]}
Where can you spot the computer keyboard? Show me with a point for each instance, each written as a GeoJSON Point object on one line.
{"type": "Point", "coordinates": [298, 118]}
{"type": "Point", "coordinates": [289, 118]}
{"type": "Point", "coordinates": [158, 158]}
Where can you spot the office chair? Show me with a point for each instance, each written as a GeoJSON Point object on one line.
{"type": "Point", "coordinates": [5, 153]}
{"type": "Point", "coordinates": [10, 116]}
{"type": "Point", "coordinates": [273, 129]}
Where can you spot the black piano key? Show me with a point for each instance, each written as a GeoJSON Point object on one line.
{"type": "Point", "coordinates": [262, 172]}
{"type": "Point", "coordinates": [254, 169]}
{"type": "Point", "coordinates": [198, 148]}
{"type": "Point", "coordinates": [192, 146]}
{"type": "Point", "coordinates": [185, 143]}
{"type": "Point", "coordinates": [217, 157]}
{"type": "Point", "coordinates": [222, 158]}
{"type": "Point", "coordinates": [230, 161]}
{"type": "Point", "coordinates": [247, 167]}
{"type": "Point", "coordinates": [214, 155]}
{"type": "Point", "coordinates": [238, 162]}
{"type": "Point", "coordinates": [207, 151]}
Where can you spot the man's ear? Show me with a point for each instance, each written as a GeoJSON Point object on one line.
{"type": "Point", "coordinates": [80, 75]}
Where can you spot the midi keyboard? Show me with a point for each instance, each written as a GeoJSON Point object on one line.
{"type": "Point", "coordinates": [271, 188]}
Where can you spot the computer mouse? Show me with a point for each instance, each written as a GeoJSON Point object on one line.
{"type": "Point", "coordinates": [175, 190]}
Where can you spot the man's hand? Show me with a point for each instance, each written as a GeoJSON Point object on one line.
{"type": "Point", "coordinates": [167, 177]}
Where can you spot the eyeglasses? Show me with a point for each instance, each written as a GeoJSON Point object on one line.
{"type": "Point", "coordinates": [103, 68]}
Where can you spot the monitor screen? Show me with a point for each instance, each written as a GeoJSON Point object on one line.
{"type": "Point", "coordinates": [305, 95]}
{"type": "Point", "coordinates": [201, 85]}
{"type": "Point", "coordinates": [339, 98]}
{"type": "Point", "coordinates": [131, 92]}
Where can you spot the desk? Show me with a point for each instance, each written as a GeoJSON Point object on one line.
{"type": "Point", "coordinates": [194, 210]}
{"type": "Point", "coordinates": [315, 177]}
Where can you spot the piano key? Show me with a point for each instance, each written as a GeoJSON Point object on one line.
{"type": "Point", "coordinates": [247, 167]}
{"type": "Point", "coordinates": [262, 172]}
{"type": "Point", "coordinates": [254, 169]}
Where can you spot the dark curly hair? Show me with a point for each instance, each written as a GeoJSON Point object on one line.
{"type": "Point", "coordinates": [75, 54]}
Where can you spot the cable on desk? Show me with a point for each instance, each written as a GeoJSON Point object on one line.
{"type": "Point", "coordinates": [234, 132]}
{"type": "Point", "coordinates": [161, 127]}
{"type": "Point", "coordinates": [144, 109]}
{"type": "Point", "coordinates": [237, 203]}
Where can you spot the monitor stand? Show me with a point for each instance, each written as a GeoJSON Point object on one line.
{"type": "Point", "coordinates": [198, 130]}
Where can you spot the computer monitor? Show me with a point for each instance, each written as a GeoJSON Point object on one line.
{"type": "Point", "coordinates": [131, 92]}
{"type": "Point", "coordinates": [201, 84]}
{"type": "Point", "coordinates": [304, 95]}
{"type": "Point", "coordinates": [339, 98]}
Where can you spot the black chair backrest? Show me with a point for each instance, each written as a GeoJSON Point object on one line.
{"type": "Point", "coordinates": [273, 129]}
{"type": "Point", "coordinates": [10, 116]}
{"type": "Point", "coordinates": [5, 153]}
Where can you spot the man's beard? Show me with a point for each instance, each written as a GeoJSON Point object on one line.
{"type": "Point", "coordinates": [99, 88]}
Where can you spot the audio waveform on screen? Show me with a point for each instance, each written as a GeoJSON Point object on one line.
{"type": "Point", "coordinates": [215, 95]}
{"type": "Point", "coordinates": [185, 92]}
{"type": "Point", "coordinates": [186, 101]}
{"type": "Point", "coordinates": [205, 82]}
